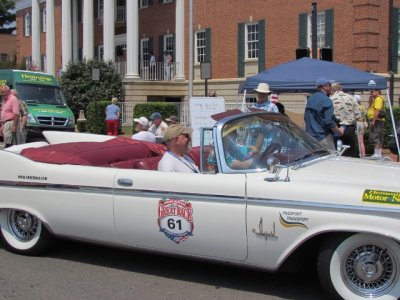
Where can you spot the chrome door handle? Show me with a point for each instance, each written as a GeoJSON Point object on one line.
{"type": "Point", "coordinates": [125, 182]}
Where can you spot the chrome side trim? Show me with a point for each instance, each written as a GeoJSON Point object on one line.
{"type": "Point", "coordinates": [183, 196]}
{"type": "Point", "coordinates": [55, 186]}
{"type": "Point", "coordinates": [123, 192]}
{"type": "Point", "coordinates": [319, 205]}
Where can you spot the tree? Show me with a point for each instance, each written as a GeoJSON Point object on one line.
{"type": "Point", "coordinates": [79, 89]}
{"type": "Point", "coordinates": [7, 16]}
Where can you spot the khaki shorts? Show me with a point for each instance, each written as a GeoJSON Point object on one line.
{"type": "Point", "coordinates": [8, 136]}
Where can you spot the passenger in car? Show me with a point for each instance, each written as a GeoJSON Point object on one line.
{"type": "Point", "coordinates": [177, 139]}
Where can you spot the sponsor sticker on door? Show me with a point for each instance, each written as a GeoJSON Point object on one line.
{"type": "Point", "coordinates": [175, 219]}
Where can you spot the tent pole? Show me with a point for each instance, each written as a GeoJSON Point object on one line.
{"type": "Point", "coordinates": [393, 123]}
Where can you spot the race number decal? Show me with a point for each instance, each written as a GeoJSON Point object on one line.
{"type": "Point", "coordinates": [175, 219]}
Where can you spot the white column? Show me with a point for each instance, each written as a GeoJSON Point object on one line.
{"type": "Point", "coordinates": [88, 36]}
{"type": "Point", "coordinates": [35, 33]}
{"type": "Point", "coordinates": [75, 31]}
{"type": "Point", "coordinates": [50, 38]}
{"type": "Point", "coordinates": [179, 39]}
{"type": "Point", "coordinates": [66, 33]}
{"type": "Point", "coordinates": [132, 39]}
{"type": "Point", "coordinates": [108, 29]}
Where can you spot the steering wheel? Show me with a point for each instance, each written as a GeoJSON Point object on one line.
{"type": "Point", "coordinates": [270, 149]}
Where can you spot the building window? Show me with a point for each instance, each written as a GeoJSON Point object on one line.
{"type": "Point", "coordinates": [143, 3]}
{"type": "Point", "coordinates": [144, 49]}
{"type": "Point", "coordinates": [27, 28]}
{"type": "Point", "coordinates": [321, 18]}
{"type": "Point", "coordinates": [4, 56]}
{"type": "Point", "coordinates": [100, 6]}
{"type": "Point", "coordinates": [44, 20]}
{"type": "Point", "coordinates": [43, 63]}
{"type": "Point", "coordinates": [251, 41]}
{"type": "Point", "coordinates": [101, 52]}
{"type": "Point", "coordinates": [200, 46]}
{"type": "Point", "coordinates": [398, 43]}
{"type": "Point", "coordinates": [169, 44]}
{"type": "Point", "coordinates": [120, 11]}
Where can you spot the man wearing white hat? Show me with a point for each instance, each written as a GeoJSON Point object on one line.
{"type": "Point", "coordinates": [142, 133]}
{"type": "Point", "coordinates": [263, 101]}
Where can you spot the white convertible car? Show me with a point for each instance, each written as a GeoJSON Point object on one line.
{"type": "Point", "coordinates": [268, 196]}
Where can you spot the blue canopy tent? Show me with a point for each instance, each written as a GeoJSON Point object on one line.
{"type": "Point", "coordinates": [299, 76]}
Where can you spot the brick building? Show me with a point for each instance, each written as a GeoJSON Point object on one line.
{"type": "Point", "coordinates": [7, 49]}
{"type": "Point", "coordinates": [239, 38]}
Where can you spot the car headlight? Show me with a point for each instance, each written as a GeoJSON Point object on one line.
{"type": "Point", "coordinates": [71, 119]}
{"type": "Point", "coordinates": [31, 119]}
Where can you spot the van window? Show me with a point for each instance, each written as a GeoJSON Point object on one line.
{"type": "Point", "coordinates": [40, 94]}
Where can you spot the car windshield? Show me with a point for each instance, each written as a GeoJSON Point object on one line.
{"type": "Point", "coordinates": [40, 94]}
{"type": "Point", "coordinates": [254, 141]}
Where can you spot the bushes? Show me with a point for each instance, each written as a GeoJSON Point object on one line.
{"type": "Point", "coordinates": [146, 109]}
{"type": "Point", "coordinates": [79, 89]}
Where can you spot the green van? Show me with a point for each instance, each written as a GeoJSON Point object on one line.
{"type": "Point", "coordinates": [47, 108]}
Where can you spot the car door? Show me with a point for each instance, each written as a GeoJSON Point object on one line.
{"type": "Point", "coordinates": [188, 213]}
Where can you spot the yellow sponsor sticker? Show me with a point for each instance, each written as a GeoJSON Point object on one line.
{"type": "Point", "coordinates": [383, 197]}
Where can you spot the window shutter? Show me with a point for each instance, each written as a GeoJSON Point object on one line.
{"type": "Point", "coordinates": [240, 50]}
{"type": "Point", "coordinates": [96, 9]}
{"type": "Point", "coordinates": [151, 44]}
{"type": "Point", "coordinates": [303, 30]}
{"type": "Point", "coordinates": [174, 53]}
{"type": "Point", "coordinates": [41, 20]}
{"type": "Point", "coordinates": [41, 62]}
{"type": "Point", "coordinates": [80, 54]}
{"type": "Point", "coordinates": [23, 25]}
{"type": "Point", "coordinates": [329, 28]}
{"type": "Point", "coordinates": [161, 47]}
{"type": "Point", "coordinates": [207, 57]}
{"type": "Point", "coordinates": [150, 2]}
{"type": "Point", "coordinates": [96, 52]}
{"type": "Point", "coordinates": [261, 45]}
{"type": "Point", "coordinates": [395, 39]}
{"type": "Point", "coordinates": [30, 22]}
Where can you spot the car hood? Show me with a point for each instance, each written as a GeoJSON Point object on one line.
{"type": "Point", "coordinates": [337, 180]}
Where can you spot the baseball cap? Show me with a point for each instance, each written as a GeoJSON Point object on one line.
{"type": "Point", "coordinates": [172, 119]}
{"type": "Point", "coordinates": [155, 115]}
{"type": "Point", "coordinates": [323, 81]}
{"type": "Point", "coordinates": [175, 130]}
{"type": "Point", "coordinates": [143, 121]}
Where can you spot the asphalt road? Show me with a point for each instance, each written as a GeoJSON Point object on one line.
{"type": "Point", "coordinates": [80, 271]}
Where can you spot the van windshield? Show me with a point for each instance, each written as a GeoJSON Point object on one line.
{"type": "Point", "coordinates": [40, 94]}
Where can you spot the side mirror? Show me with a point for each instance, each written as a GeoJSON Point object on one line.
{"type": "Point", "coordinates": [273, 164]}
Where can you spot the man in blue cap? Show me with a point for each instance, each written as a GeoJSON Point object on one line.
{"type": "Point", "coordinates": [319, 117]}
{"type": "Point", "coordinates": [158, 126]}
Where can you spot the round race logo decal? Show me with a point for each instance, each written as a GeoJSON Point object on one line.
{"type": "Point", "coordinates": [175, 219]}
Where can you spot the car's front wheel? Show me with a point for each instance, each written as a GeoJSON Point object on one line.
{"type": "Point", "coordinates": [24, 233]}
{"type": "Point", "coordinates": [360, 266]}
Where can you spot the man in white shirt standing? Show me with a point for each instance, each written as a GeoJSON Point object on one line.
{"type": "Point", "coordinates": [177, 139]}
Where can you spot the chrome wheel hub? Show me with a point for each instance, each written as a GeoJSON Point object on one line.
{"type": "Point", "coordinates": [23, 225]}
{"type": "Point", "coordinates": [369, 270]}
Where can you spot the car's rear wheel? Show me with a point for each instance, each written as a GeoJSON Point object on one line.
{"type": "Point", "coordinates": [360, 266]}
{"type": "Point", "coordinates": [24, 233]}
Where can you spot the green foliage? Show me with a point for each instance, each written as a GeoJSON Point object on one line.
{"type": "Point", "coordinates": [79, 89]}
{"type": "Point", "coordinates": [7, 16]}
{"type": "Point", "coordinates": [146, 109]}
{"type": "Point", "coordinates": [96, 117]}
{"type": "Point", "coordinates": [10, 63]}
{"type": "Point", "coordinates": [81, 125]}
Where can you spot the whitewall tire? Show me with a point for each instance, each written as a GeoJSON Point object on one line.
{"type": "Point", "coordinates": [24, 233]}
{"type": "Point", "coordinates": [360, 266]}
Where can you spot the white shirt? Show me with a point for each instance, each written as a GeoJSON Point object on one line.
{"type": "Point", "coordinates": [144, 136]}
{"type": "Point", "coordinates": [160, 130]}
{"type": "Point", "coordinates": [172, 163]}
